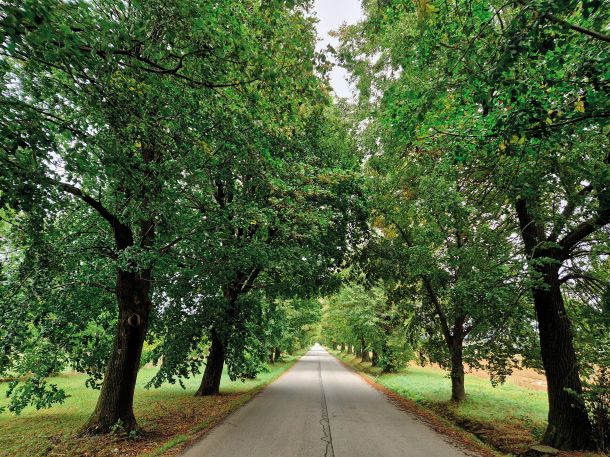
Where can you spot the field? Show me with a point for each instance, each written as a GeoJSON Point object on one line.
{"type": "Point", "coordinates": [169, 415]}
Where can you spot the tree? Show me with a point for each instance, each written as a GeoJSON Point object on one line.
{"type": "Point", "coordinates": [513, 93]}
{"type": "Point", "coordinates": [449, 264]}
{"type": "Point", "coordinates": [286, 217]}
{"type": "Point", "coordinates": [109, 109]}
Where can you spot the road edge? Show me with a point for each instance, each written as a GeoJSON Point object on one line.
{"type": "Point", "coordinates": [466, 440]}
{"type": "Point", "coordinates": [185, 442]}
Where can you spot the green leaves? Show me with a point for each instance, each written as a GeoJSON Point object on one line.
{"type": "Point", "coordinates": [189, 143]}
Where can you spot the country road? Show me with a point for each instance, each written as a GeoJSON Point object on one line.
{"type": "Point", "coordinates": [321, 409]}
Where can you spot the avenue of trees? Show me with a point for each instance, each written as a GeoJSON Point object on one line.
{"type": "Point", "coordinates": [178, 186]}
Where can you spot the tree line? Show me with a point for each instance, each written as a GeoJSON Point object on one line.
{"type": "Point", "coordinates": [484, 131]}
{"type": "Point", "coordinates": [173, 173]}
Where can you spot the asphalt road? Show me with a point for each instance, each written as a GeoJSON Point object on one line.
{"type": "Point", "coordinates": [319, 408]}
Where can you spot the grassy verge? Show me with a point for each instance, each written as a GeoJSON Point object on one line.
{"type": "Point", "coordinates": [508, 418]}
{"type": "Point", "coordinates": [169, 415]}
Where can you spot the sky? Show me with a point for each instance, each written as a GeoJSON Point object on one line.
{"type": "Point", "coordinates": [333, 13]}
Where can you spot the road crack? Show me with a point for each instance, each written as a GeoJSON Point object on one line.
{"type": "Point", "coordinates": [325, 422]}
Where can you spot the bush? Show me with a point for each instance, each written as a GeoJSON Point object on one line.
{"type": "Point", "coordinates": [394, 354]}
{"type": "Point", "coordinates": [596, 397]}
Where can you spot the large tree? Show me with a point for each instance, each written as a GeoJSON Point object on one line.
{"type": "Point", "coordinates": [109, 109]}
{"type": "Point", "coordinates": [447, 260]}
{"type": "Point", "coordinates": [286, 210]}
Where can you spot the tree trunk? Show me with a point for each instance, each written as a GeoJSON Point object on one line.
{"type": "Point", "coordinates": [210, 384]}
{"type": "Point", "coordinates": [115, 402]}
{"type": "Point", "coordinates": [364, 351]}
{"type": "Point", "coordinates": [568, 423]}
{"type": "Point", "coordinates": [349, 348]}
{"type": "Point", "coordinates": [375, 359]}
{"type": "Point", "coordinates": [342, 347]}
{"type": "Point", "coordinates": [278, 354]}
{"type": "Point", "coordinates": [458, 392]}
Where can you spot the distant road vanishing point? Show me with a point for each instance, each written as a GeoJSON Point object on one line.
{"type": "Point", "coordinates": [319, 408]}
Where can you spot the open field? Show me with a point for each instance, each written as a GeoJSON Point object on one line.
{"type": "Point", "coordinates": [169, 415]}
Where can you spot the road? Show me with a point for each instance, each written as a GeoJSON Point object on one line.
{"type": "Point", "coordinates": [319, 408]}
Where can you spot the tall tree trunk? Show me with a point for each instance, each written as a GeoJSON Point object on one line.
{"type": "Point", "coordinates": [210, 384]}
{"type": "Point", "coordinates": [342, 347]}
{"type": "Point", "coordinates": [350, 349]}
{"type": "Point", "coordinates": [115, 402]}
{"type": "Point", "coordinates": [278, 354]}
{"type": "Point", "coordinates": [568, 423]}
{"type": "Point", "coordinates": [271, 357]}
{"type": "Point", "coordinates": [375, 359]}
{"type": "Point", "coordinates": [364, 351]}
{"type": "Point", "coordinates": [458, 392]}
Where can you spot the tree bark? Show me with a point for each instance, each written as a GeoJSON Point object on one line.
{"type": "Point", "coordinates": [364, 351]}
{"type": "Point", "coordinates": [568, 423]}
{"type": "Point", "coordinates": [210, 384]}
{"type": "Point", "coordinates": [454, 338]}
{"type": "Point", "coordinates": [278, 354]}
{"type": "Point", "coordinates": [115, 403]}
{"type": "Point", "coordinates": [458, 391]}
{"type": "Point", "coordinates": [349, 349]}
{"type": "Point", "coordinates": [375, 359]}
{"type": "Point", "coordinates": [342, 347]}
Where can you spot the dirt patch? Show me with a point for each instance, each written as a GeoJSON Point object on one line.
{"type": "Point", "coordinates": [162, 422]}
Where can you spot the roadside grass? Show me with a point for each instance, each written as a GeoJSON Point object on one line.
{"type": "Point", "coordinates": [170, 416]}
{"type": "Point", "coordinates": [509, 418]}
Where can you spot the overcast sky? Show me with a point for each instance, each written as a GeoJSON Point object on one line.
{"type": "Point", "coordinates": [333, 13]}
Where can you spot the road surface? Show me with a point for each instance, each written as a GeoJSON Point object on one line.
{"type": "Point", "coordinates": [319, 408]}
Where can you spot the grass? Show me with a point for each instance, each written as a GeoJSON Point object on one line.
{"type": "Point", "coordinates": [508, 418]}
{"type": "Point", "coordinates": [509, 402]}
{"type": "Point", "coordinates": [489, 413]}
{"type": "Point", "coordinates": [169, 415]}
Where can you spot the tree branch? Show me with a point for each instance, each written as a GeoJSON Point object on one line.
{"type": "Point", "coordinates": [122, 233]}
{"type": "Point", "coordinates": [567, 212]}
{"type": "Point", "coordinates": [439, 309]}
{"type": "Point", "coordinates": [592, 33]}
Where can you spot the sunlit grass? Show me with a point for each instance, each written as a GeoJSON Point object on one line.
{"type": "Point", "coordinates": [429, 386]}
{"type": "Point", "coordinates": [35, 432]}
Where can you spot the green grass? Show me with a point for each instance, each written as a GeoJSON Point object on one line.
{"type": "Point", "coordinates": [508, 412]}
{"type": "Point", "coordinates": [484, 402]}
{"type": "Point", "coordinates": [36, 432]}
{"type": "Point", "coordinates": [176, 440]}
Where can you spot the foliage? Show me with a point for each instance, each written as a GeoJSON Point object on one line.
{"type": "Point", "coordinates": [356, 314]}
{"type": "Point", "coordinates": [487, 122]}
{"type": "Point", "coordinates": [159, 158]}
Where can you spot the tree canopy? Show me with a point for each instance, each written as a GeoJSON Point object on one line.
{"type": "Point", "coordinates": [179, 185]}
